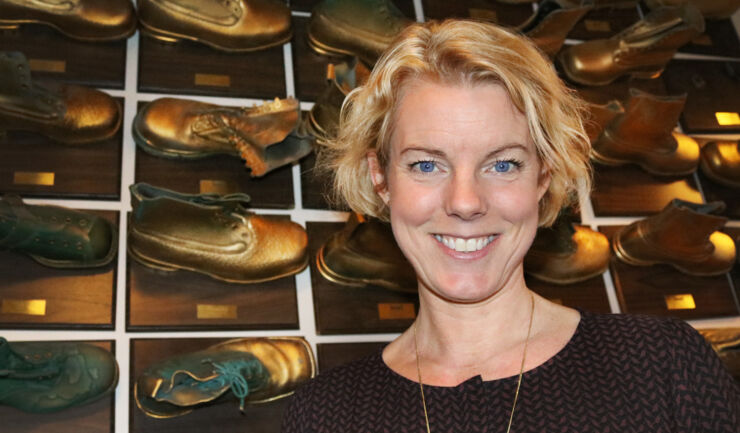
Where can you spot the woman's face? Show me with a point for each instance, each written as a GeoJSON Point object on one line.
{"type": "Point", "coordinates": [463, 182]}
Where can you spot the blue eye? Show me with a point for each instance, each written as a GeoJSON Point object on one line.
{"type": "Point", "coordinates": [426, 166]}
{"type": "Point", "coordinates": [503, 166]}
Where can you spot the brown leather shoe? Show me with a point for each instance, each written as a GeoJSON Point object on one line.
{"type": "Point", "coordinates": [720, 161]}
{"type": "Point", "coordinates": [567, 253]}
{"type": "Point", "coordinates": [87, 20]}
{"type": "Point", "coordinates": [642, 50]}
{"type": "Point", "coordinates": [683, 235]}
{"type": "Point", "coordinates": [227, 25]}
{"type": "Point", "coordinates": [550, 25]}
{"type": "Point", "coordinates": [601, 115]}
{"type": "Point", "coordinates": [365, 252]}
{"type": "Point", "coordinates": [711, 9]}
{"type": "Point", "coordinates": [63, 112]}
{"type": "Point", "coordinates": [644, 135]}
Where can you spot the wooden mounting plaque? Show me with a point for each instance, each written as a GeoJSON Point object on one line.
{"type": "Point", "coordinates": [589, 295]}
{"type": "Point", "coordinates": [647, 290]}
{"type": "Point", "coordinates": [354, 310]}
{"type": "Point", "coordinates": [711, 87]}
{"type": "Point", "coordinates": [221, 417]}
{"type": "Point", "coordinates": [89, 171]}
{"type": "Point", "coordinates": [53, 56]}
{"type": "Point", "coordinates": [69, 298]}
{"type": "Point", "coordinates": [484, 10]}
{"type": "Point", "coordinates": [309, 67]}
{"type": "Point", "coordinates": [603, 23]}
{"type": "Point", "coordinates": [406, 6]}
{"type": "Point", "coordinates": [330, 355]}
{"type": "Point", "coordinates": [716, 192]}
{"type": "Point", "coordinates": [629, 190]}
{"type": "Point", "coordinates": [95, 417]}
{"type": "Point", "coordinates": [197, 69]}
{"type": "Point", "coordinates": [315, 186]}
{"type": "Point", "coordinates": [718, 39]}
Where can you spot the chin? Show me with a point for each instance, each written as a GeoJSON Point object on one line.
{"type": "Point", "coordinates": [458, 290]}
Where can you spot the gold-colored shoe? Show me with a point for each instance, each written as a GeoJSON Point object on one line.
{"type": "Point", "coordinates": [567, 253]}
{"type": "Point", "coordinates": [266, 136]}
{"type": "Point", "coordinates": [711, 9]}
{"type": "Point", "coordinates": [214, 235]}
{"type": "Point", "coordinates": [726, 342]}
{"type": "Point", "coordinates": [720, 161]}
{"type": "Point", "coordinates": [684, 235]}
{"type": "Point", "coordinates": [550, 25]}
{"type": "Point", "coordinates": [601, 115]}
{"type": "Point", "coordinates": [87, 20]}
{"type": "Point", "coordinates": [255, 370]}
{"type": "Point", "coordinates": [642, 50]}
{"type": "Point", "coordinates": [63, 112]}
{"type": "Point", "coordinates": [227, 25]}
{"type": "Point", "coordinates": [644, 135]}
{"type": "Point", "coordinates": [365, 253]}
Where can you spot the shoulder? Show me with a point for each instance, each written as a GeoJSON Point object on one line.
{"type": "Point", "coordinates": [628, 329]}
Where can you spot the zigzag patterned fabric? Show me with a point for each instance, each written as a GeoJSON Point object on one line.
{"type": "Point", "coordinates": [618, 374]}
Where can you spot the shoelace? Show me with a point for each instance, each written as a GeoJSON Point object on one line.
{"type": "Point", "coordinates": [232, 373]}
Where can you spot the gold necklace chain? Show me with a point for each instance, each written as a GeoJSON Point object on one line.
{"type": "Point", "coordinates": [518, 384]}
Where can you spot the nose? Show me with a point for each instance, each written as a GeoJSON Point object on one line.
{"type": "Point", "coordinates": [465, 196]}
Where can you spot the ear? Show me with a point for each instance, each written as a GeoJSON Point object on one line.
{"type": "Point", "coordinates": [543, 182]}
{"type": "Point", "coordinates": [377, 175]}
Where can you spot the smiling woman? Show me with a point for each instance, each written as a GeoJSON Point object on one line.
{"type": "Point", "coordinates": [466, 140]}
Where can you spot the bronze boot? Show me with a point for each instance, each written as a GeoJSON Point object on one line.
{"type": "Point", "coordinates": [550, 25]}
{"type": "Point", "coordinates": [87, 20]}
{"type": "Point", "coordinates": [227, 25]}
{"type": "Point", "coordinates": [644, 135]}
{"type": "Point", "coordinates": [683, 235]}
{"type": "Point", "coordinates": [63, 112]}
{"type": "Point", "coordinates": [600, 115]}
{"type": "Point", "coordinates": [720, 161]}
{"type": "Point", "coordinates": [642, 50]}
{"type": "Point", "coordinates": [567, 253]}
{"type": "Point", "coordinates": [711, 9]}
{"type": "Point", "coordinates": [365, 252]}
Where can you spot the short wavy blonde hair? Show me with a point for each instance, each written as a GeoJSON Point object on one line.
{"type": "Point", "coordinates": [461, 52]}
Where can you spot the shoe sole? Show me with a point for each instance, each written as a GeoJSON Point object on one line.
{"type": "Point", "coordinates": [615, 162]}
{"type": "Point", "coordinates": [327, 50]}
{"type": "Point", "coordinates": [169, 37]}
{"type": "Point", "coordinates": [15, 24]}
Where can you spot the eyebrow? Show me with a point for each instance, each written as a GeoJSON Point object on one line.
{"type": "Point", "coordinates": [441, 153]}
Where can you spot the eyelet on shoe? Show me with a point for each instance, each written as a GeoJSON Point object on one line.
{"type": "Point", "coordinates": [83, 222]}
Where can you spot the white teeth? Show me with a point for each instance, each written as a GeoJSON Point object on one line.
{"type": "Point", "coordinates": [470, 245]}
{"type": "Point", "coordinates": [464, 245]}
{"type": "Point", "coordinates": [460, 244]}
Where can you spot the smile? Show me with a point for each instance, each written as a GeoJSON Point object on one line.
{"type": "Point", "coordinates": [465, 245]}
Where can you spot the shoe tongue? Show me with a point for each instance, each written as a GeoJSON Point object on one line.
{"type": "Point", "coordinates": [655, 23]}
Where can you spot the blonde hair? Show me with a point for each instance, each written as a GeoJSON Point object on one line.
{"type": "Point", "coordinates": [461, 52]}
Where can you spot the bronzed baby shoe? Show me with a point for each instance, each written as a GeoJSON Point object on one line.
{"type": "Point", "coordinates": [642, 50]}
{"type": "Point", "coordinates": [720, 161]}
{"type": "Point", "coordinates": [49, 376]}
{"type": "Point", "coordinates": [711, 9]}
{"type": "Point", "coordinates": [87, 20]}
{"type": "Point", "coordinates": [643, 134]}
{"type": "Point", "coordinates": [599, 116]}
{"type": "Point", "coordinates": [56, 236]}
{"type": "Point", "coordinates": [365, 253]}
{"type": "Point", "coordinates": [266, 136]}
{"type": "Point", "coordinates": [212, 234]}
{"type": "Point", "coordinates": [227, 25]}
{"type": "Point", "coordinates": [362, 28]}
{"type": "Point", "coordinates": [567, 253]}
{"type": "Point", "coordinates": [726, 342]}
{"type": "Point", "coordinates": [550, 25]}
{"type": "Point", "coordinates": [683, 235]}
{"type": "Point", "coordinates": [63, 112]}
{"type": "Point", "coordinates": [255, 370]}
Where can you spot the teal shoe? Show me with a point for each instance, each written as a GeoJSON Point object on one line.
{"type": "Point", "coordinates": [44, 377]}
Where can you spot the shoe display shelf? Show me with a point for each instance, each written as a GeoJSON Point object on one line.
{"type": "Point", "coordinates": [150, 314]}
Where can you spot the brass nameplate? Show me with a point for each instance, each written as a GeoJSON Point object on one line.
{"type": "Point", "coordinates": [211, 311]}
{"type": "Point", "coordinates": [29, 307]}
{"type": "Point", "coordinates": [727, 119]}
{"type": "Point", "coordinates": [680, 302]}
{"type": "Point", "coordinates": [597, 26]}
{"type": "Point", "coordinates": [43, 65]}
{"type": "Point", "coordinates": [212, 80]}
{"type": "Point", "coordinates": [33, 178]}
{"type": "Point", "coordinates": [208, 186]}
{"type": "Point", "coordinates": [396, 310]}
{"type": "Point", "coordinates": [483, 14]}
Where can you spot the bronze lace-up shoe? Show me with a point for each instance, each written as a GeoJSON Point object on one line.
{"type": "Point", "coordinates": [66, 113]}
{"type": "Point", "coordinates": [683, 235]}
{"type": "Point", "coordinates": [550, 25]}
{"type": "Point", "coordinates": [255, 370]}
{"type": "Point", "coordinates": [266, 137]}
{"type": "Point", "coordinates": [365, 252]}
{"type": "Point", "coordinates": [227, 25]}
{"type": "Point", "coordinates": [643, 134]}
{"type": "Point", "coordinates": [720, 161]}
{"type": "Point", "coordinates": [711, 9]}
{"type": "Point", "coordinates": [88, 20]}
{"type": "Point", "coordinates": [362, 28]}
{"type": "Point", "coordinates": [642, 50]}
{"type": "Point", "coordinates": [214, 235]}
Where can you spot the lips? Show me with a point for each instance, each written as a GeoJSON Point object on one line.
{"type": "Point", "coordinates": [465, 245]}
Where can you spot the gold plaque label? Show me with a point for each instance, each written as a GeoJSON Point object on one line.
{"type": "Point", "coordinates": [396, 310]}
{"type": "Point", "coordinates": [211, 311]}
{"type": "Point", "coordinates": [29, 307]}
{"type": "Point", "coordinates": [212, 80]}
{"type": "Point", "coordinates": [483, 14]}
{"type": "Point", "coordinates": [680, 302]}
{"type": "Point", "coordinates": [727, 119]}
{"type": "Point", "coordinates": [43, 65]}
{"type": "Point", "coordinates": [33, 178]}
{"type": "Point", "coordinates": [208, 186]}
{"type": "Point", "coordinates": [597, 26]}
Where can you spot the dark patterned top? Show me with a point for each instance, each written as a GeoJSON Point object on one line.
{"type": "Point", "coordinates": [618, 374]}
